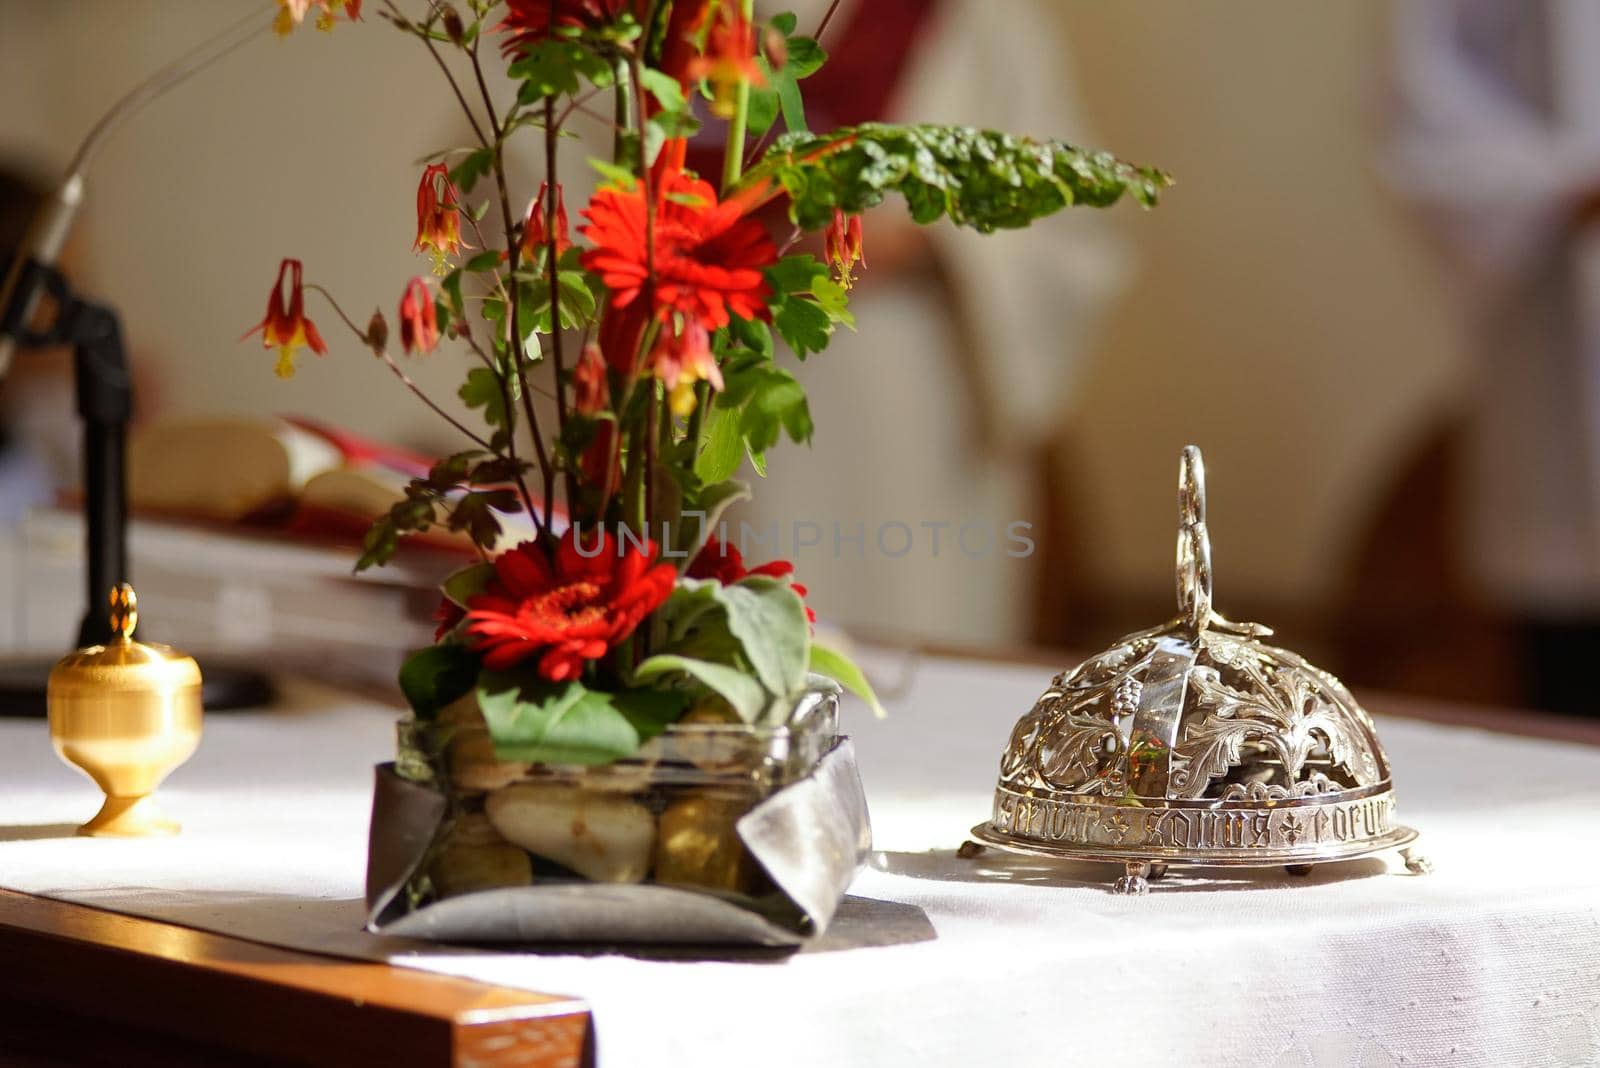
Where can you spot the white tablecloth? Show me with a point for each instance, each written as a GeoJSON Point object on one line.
{"type": "Point", "coordinates": [1492, 960]}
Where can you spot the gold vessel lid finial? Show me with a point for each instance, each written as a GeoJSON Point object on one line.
{"type": "Point", "coordinates": [124, 611]}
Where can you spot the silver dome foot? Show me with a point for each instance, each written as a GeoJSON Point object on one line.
{"type": "Point", "coordinates": [1134, 883]}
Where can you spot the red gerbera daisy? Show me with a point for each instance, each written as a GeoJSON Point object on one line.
{"type": "Point", "coordinates": [708, 255]}
{"type": "Point", "coordinates": [723, 562]}
{"type": "Point", "coordinates": [569, 610]}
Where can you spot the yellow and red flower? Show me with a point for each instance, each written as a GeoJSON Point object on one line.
{"type": "Point", "coordinates": [709, 255]}
{"type": "Point", "coordinates": [536, 232]}
{"type": "Point", "coordinates": [729, 59]}
{"type": "Point", "coordinates": [842, 247]}
{"type": "Point", "coordinates": [438, 216]}
{"type": "Point", "coordinates": [293, 12]}
{"type": "Point", "coordinates": [285, 326]}
{"type": "Point", "coordinates": [419, 319]}
{"type": "Point", "coordinates": [569, 610]}
{"type": "Point", "coordinates": [680, 360]}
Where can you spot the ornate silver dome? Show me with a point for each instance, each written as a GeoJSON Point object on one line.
{"type": "Point", "coordinates": [1195, 743]}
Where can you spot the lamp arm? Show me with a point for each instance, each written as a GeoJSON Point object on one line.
{"type": "Point", "coordinates": [52, 224]}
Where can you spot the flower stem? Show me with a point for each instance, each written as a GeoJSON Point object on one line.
{"type": "Point", "coordinates": [514, 299]}
{"type": "Point", "coordinates": [733, 155]}
{"type": "Point", "coordinates": [383, 354]}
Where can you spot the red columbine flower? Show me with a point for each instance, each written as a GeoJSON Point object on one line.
{"type": "Point", "coordinates": [723, 562]}
{"type": "Point", "coordinates": [591, 391]}
{"type": "Point", "coordinates": [535, 235]}
{"type": "Point", "coordinates": [419, 320]}
{"type": "Point", "coordinates": [842, 246]}
{"type": "Point", "coordinates": [680, 360]}
{"type": "Point", "coordinates": [729, 59]}
{"type": "Point", "coordinates": [438, 216]}
{"type": "Point", "coordinates": [567, 611]}
{"type": "Point", "coordinates": [286, 327]}
{"type": "Point", "coordinates": [528, 22]}
{"type": "Point", "coordinates": [708, 255]}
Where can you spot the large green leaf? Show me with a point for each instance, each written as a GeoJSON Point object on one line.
{"type": "Point", "coordinates": [565, 723]}
{"type": "Point", "coordinates": [724, 447]}
{"type": "Point", "coordinates": [432, 677]}
{"type": "Point", "coordinates": [979, 178]}
{"type": "Point", "coordinates": [747, 696]}
{"type": "Point", "coordinates": [769, 619]}
{"type": "Point", "coordinates": [843, 670]}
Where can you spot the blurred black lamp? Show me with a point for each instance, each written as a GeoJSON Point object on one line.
{"type": "Point", "coordinates": [36, 290]}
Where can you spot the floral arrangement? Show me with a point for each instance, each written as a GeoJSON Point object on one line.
{"type": "Point", "coordinates": [625, 368]}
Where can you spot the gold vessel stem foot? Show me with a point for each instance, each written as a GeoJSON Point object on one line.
{"type": "Point", "coordinates": [1133, 883]}
{"type": "Point", "coordinates": [129, 817]}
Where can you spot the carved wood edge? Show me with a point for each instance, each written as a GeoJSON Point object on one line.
{"type": "Point", "coordinates": [155, 981]}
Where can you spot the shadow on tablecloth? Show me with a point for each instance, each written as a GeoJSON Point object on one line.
{"type": "Point", "coordinates": [993, 866]}
{"type": "Point", "coordinates": [334, 926]}
{"type": "Point", "coordinates": [33, 832]}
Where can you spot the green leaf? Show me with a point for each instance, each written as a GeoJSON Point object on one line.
{"type": "Point", "coordinates": [664, 87]}
{"type": "Point", "coordinates": [613, 174]}
{"type": "Point", "coordinates": [724, 447]}
{"type": "Point", "coordinates": [533, 720]}
{"type": "Point", "coordinates": [553, 67]}
{"type": "Point", "coordinates": [806, 57]}
{"type": "Point", "coordinates": [979, 178]}
{"type": "Point", "coordinates": [785, 22]}
{"type": "Point", "coordinates": [803, 325]}
{"type": "Point", "coordinates": [747, 696]}
{"type": "Point", "coordinates": [378, 544]}
{"type": "Point", "coordinates": [753, 334]}
{"type": "Point", "coordinates": [474, 513]}
{"type": "Point", "coordinates": [843, 670]}
{"type": "Point", "coordinates": [789, 102]}
{"type": "Point", "coordinates": [473, 166]}
{"type": "Point", "coordinates": [486, 260]}
{"type": "Point", "coordinates": [762, 110]}
{"type": "Point", "coordinates": [433, 677]}
{"type": "Point", "coordinates": [834, 300]}
{"type": "Point", "coordinates": [795, 274]}
{"type": "Point", "coordinates": [482, 390]}
{"type": "Point", "coordinates": [769, 619]}
{"type": "Point", "coordinates": [466, 583]}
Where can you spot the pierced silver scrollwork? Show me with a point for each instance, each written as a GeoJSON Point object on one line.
{"type": "Point", "coordinates": [1195, 742]}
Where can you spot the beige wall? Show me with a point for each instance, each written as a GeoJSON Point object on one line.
{"type": "Point", "coordinates": [1285, 318]}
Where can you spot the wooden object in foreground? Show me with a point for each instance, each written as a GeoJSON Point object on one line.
{"type": "Point", "coordinates": [84, 986]}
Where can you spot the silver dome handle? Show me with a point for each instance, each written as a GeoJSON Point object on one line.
{"type": "Point", "coordinates": [1194, 544]}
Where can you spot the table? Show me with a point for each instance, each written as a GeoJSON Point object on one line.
{"type": "Point", "coordinates": [938, 960]}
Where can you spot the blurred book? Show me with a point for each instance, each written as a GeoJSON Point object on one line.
{"type": "Point", "coordinates": [243, 542]}
{"type": "Point", "coordinates": [289, 476]}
